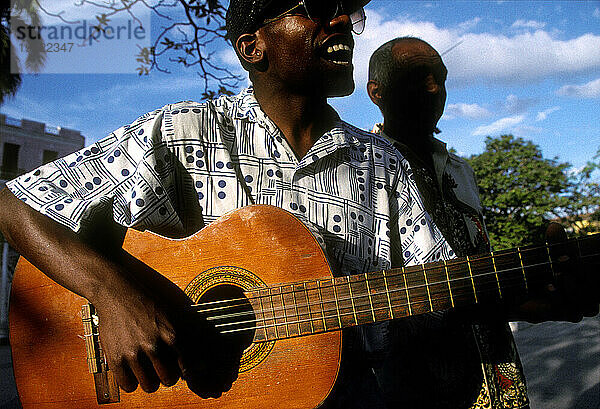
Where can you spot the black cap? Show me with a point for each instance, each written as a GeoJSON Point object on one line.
{"type": "Point", "coordinates": [246, 16]}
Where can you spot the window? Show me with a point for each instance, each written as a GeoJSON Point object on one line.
{"type": "Point", "coordinates": [49, 156]}
{"type": "Point", "coordinates": [10, 160]}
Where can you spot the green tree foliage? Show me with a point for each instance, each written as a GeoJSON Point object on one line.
{"type": "Point", "coordinates": [520, 190]}
{"type": "Point", "coordinates": [582, 211]}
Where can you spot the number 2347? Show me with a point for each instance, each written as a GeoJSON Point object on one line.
{"type": "Point", "coordinates": [56, 47]}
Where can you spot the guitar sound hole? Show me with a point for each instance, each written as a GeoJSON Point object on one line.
{"type": "Point", "coordinates": [231, 313]}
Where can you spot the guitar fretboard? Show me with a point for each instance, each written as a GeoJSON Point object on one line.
{"type": "Point", "coordinates": [331, 304]}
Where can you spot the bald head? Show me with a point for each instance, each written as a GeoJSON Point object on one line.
{"type": "Point", "coordinates": [407, 82]}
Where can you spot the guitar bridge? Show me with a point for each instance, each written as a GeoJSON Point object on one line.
{"type": "Point", "coordinates": [107, 389]}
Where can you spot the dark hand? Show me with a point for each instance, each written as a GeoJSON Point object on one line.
{"type": "Point", "coordinates": [152, 336]}
{"type": "Point", "coordinates": [148, 331]}
{"type": "Point", "coordinates": [573, 295]}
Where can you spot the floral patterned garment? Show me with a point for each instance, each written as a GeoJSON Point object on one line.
{"type": "Point", "coordinates": [497, 374]}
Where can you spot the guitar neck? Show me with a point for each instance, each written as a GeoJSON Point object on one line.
{"type": "Point", "coordinates": [326, 305]}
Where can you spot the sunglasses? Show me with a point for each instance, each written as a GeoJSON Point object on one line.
{"type": "Point", "coordinates": [323, 10]}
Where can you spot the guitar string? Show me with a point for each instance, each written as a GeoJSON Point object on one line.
{"type": "Point", "coordinates": [492, 287]}
{"type": "Point", "coordinates": [401, 271]}
{"type": "Point", "coordinates": [335, 316]}
{"type": "Point", "coordinates": [356, 312]}
{"type": "Point", "coordinates": [339, 314]}
{"type": "Point", "coordinates": [345, 284]}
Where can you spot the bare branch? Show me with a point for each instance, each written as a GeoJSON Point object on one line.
{"type": "Point", "coordinates": [58, 15]}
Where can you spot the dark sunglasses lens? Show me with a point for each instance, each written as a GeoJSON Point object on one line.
{"type": "Point", "coordinates": [324, 10]}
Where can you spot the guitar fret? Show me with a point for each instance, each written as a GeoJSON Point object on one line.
{"type": "Point", "coordinates": [550, 259]}
{"type": "Point", "coordinates": [298, 320]}
{"type": "Point", "coordinates": [406, 289]}
{"type": "Point", "coordinates": [522, 268]}
{"type": "Point", "coordinates": [260, 308]}
{"type": "Point", "coordinates": [472, 281]}
{"type": "Point", "coordinates": [337, 305]}
{"type": "Point", "coordinates": [322, 305]}
{"type": "Point", "coordinates": [427, 287]}
{"type": "Point", "coordinates": [287, 331]}
{"type": "Point", "coordinates": [387, 292]}
{"type": "Point", "coordinates": [352, 300]}
{"type": "Point", "coordinates": [274, 313]}
{"type": "Point", "coordinates": [448, 281]}
{"type": "Point", "coordinates": [496, 273]}
{"type": "Point", "coordinates": [370, 299]}
{"type": "Point", "coordinates": [273, 292]}
{"type": "Point", "coordinates": [312, 328]}
{"type": "Point", "coordinates": [262, 312]}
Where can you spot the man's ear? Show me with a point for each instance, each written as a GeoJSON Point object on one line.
{"type": "Point", "coordinates": [375, 92]}
{"type": "Point", "coordinates": [249, 49]}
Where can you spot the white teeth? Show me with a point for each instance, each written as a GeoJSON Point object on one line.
{"type": "Point", "coordinates": [338, 47]}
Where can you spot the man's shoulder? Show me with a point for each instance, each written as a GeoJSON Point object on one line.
{"type": "Point", "coordinates": [194, 107]}
{"type": "Point", "coordinates": [370, 138]}
{"type": "Point", "coordinates": [175, 120]}
{"type": "Point", "coordinates": [454, 160]}
{"type": "Point", "coordinates": [459, 162]}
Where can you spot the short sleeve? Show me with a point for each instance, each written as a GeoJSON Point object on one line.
{"type": "Point", "coordinates": [128, 175]}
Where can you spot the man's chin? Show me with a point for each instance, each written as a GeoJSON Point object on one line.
{"type": "Point", "coordinates": [340, 88]}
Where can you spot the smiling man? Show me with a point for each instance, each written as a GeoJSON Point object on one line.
{"type": "Point", "coordinates": [178, 168]}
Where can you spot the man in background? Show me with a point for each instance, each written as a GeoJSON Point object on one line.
{"type": "Point", "coordinates": [461, 359]}
{"type": "Point", "coordinates": [462, 364]}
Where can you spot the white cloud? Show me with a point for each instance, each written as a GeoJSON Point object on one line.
{"type": "Point", "coordinates": [498, 126]}
{"type": "Point", "coordinates": [536, 25]}
{"type": "Point", "coordinates": [470, 111]}
{"type": "Point", "coordinates": [541, 116]}
{"type": "Point", "coordinates": [527, 131]}
{"type": "Point", "coordinates": [597, 12]}
{"type": "Point", "coordinates": [229, 57]}
{"type": "Point", "coordinates": [469, 24]}
{"type": "Point", "coordinates": [484, 57]}
{"type": "Point", "coordinates": [589, 90]}
{"type": "Point", "coordinates": [516, 105]}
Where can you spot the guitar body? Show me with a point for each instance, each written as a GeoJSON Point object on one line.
{"type": "Point", "coordinates": [251, 247]}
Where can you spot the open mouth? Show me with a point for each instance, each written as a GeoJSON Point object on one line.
{"type": "Point", "coordinates": [337, 51]}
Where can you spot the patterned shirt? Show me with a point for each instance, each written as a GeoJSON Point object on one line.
{"type": "Point", "coordinates": [178, 168]}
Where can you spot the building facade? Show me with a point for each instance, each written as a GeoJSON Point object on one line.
{"type": "Point", "coordinates": [25, 145]}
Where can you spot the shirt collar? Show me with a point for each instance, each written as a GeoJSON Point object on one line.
{"type": "Point", "coordinates": [340, 136]}
{"type": "Point", "coordinates": [247, 107]}
{"type": "Point", "coordinates": [440, 152]}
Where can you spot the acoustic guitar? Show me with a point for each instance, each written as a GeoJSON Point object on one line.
{"type": "Point", "coordinates": [256, 272]}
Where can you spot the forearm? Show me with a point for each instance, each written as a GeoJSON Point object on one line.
{"type": "Point", "coordinates": [56, 250]}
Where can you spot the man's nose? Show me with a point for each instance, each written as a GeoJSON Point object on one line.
{"type": "Point", "coordinates": [341, 22]}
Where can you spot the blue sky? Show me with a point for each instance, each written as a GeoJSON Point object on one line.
{"type": "Point", "coordinates": [530, 68]}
